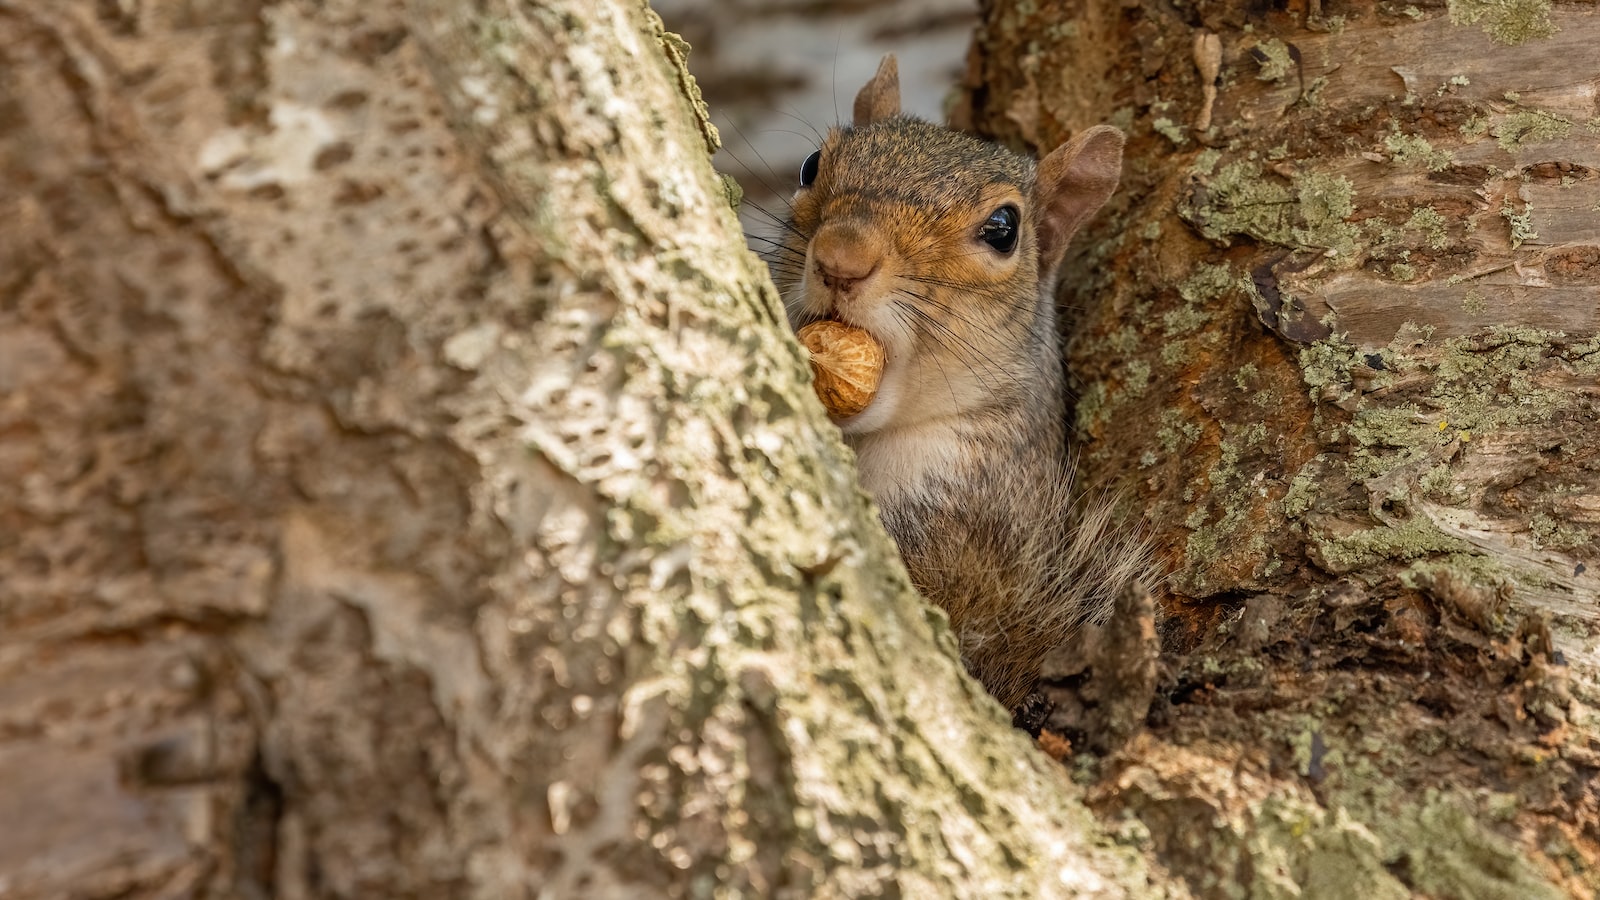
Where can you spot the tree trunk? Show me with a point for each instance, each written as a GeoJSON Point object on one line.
{"type": "Point", "coordinates": [414, 491]}
{"type": "Point", "coordinates": [1339, 340]}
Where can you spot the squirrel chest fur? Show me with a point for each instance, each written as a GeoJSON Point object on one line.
{"type": "Point", "coordinates": [944, 249]}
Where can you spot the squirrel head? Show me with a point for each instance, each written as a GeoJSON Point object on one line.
{"type": "Point", "coordinates": [945, 249]}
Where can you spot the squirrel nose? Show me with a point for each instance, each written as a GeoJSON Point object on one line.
{"type": "Point", "coordinates": [843, 259]}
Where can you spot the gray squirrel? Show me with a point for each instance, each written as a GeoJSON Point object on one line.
{"type": "Point", "coordinates": [945, 249]}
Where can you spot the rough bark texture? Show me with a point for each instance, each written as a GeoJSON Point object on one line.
{"type": "Point", "coordinates": [1341, 345]}
{"type": "Point", "coordinates": [413, 492]}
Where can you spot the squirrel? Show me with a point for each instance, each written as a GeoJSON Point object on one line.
{"type": "Point", "coordinates": [945, 249]}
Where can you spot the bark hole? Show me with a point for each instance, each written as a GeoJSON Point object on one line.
{"type": "Point", "coordinates": [256, 831]}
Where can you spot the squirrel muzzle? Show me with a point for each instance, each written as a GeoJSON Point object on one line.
{"type": "Point", "coordinates": [844, 259]}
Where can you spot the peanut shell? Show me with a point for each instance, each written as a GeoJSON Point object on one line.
{"type": "Point", "coordinates": [847, 365]}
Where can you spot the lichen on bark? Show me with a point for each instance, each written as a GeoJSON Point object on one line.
{"type": "Point", "coordinates": [1359, 427]}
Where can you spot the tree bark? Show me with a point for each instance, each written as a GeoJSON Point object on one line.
{"type": "Point", "coordinates": [415, 492]}
{"type": "Point", "coordinates": [1339, 339]}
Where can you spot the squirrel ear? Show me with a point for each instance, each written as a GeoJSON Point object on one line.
{"type": "Point", "coordinates": [1074, 181]}
{"type": "Point", "coordinates": [880, 98]}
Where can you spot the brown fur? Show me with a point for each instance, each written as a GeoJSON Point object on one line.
{"type": "Point", "coordinates": [964, 446]}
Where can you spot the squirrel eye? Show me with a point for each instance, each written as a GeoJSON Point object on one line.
{"type": "Point", "coordinates": [808, 169]}
{"type": "Point", "coordinates": [1000, 231]}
